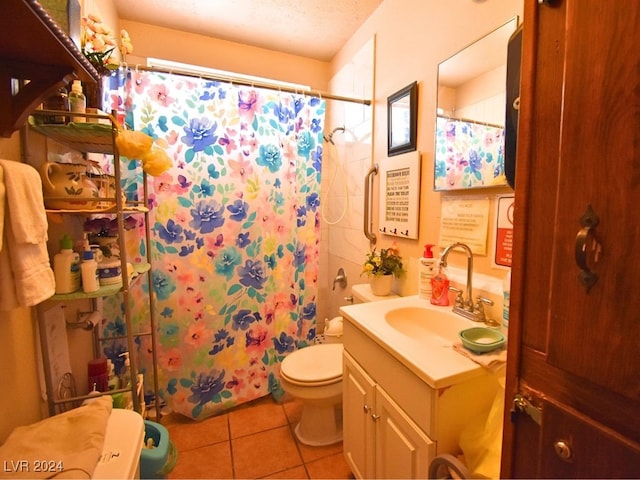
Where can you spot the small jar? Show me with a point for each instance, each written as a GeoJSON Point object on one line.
{"type": "Point", "coordinates": [58, 101]}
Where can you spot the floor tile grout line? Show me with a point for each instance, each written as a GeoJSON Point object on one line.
{"type": "Point", "coordinates": [295, 441]}
{"type": "Point", "coordinates": [230, 443]}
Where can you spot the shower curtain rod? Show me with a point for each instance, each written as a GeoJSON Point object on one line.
{"type": "Point", "coordinates": [239, 81]}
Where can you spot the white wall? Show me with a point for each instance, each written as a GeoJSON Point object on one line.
{"type": "Point", "coordinates": [411, 38]}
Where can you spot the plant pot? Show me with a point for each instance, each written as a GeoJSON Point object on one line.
{"type": "Point", "coordinates": [381, 285]}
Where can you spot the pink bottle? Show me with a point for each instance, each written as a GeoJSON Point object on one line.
{"type": "Point", "coordinates": [440, 288]}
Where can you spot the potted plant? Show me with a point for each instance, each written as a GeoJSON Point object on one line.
{"type": "Point", "coordinates": [381, 267]}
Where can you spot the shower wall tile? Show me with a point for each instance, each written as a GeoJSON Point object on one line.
{"type": "Point", "coordinates": [347, 245]}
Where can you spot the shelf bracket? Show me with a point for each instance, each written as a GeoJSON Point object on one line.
{"type": "Point", "coordinates": [38, 82]}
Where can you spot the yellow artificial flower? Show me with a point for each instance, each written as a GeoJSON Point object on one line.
{"type": "Point", "coordinates": [156, 162]}
{"type": "Point", "coordinates": [133, 144]}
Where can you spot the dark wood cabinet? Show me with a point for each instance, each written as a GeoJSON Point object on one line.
{"type": "Point", "coordinates": [575, 323]}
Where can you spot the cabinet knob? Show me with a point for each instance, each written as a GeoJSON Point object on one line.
{"type": "Point", "coordinates": [375, 417]}
{"type": "Point", "coordinates": [366, 408]}
{"type": "Point", "coordinates": [563, 450]}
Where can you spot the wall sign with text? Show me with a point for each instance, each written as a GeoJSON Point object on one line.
{"type": "Point", "coordinates": [503, 251]}
{"type": "Point", "coordinates": [400, 195]}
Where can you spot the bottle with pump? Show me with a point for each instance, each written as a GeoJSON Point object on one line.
{"type": "Point", "coordinates": [440, 287]}
{"type": "Point", "coordinates": [425, 272]}
{"type": "Point", "coordinates": [89, 269]}
{"type": "Point", "coordinates": [125, 374]}
{"type": "Point", "coordinates": [77, 101]}
{"type": "Point", "coordinates": [506, 300]}
{"type": "Point", "coordinates": [125, 400]}
{"type": "Point", "coordinates": [66, 267]}
{"type": "Point", "coordinates": [112, 380]}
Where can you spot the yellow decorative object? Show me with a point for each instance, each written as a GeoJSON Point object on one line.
{"type": "Point", "coordinates": [133, 144]}
{"type": "Point", "coordinates": [156, 162]}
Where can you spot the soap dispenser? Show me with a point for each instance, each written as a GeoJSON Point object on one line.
{"type": "Point", "coordinates": [425, 272]}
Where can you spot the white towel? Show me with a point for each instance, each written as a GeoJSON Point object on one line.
{"type": "Point", "coordinates": [25, 201]}
{"type": "Point", "coordinates": [493, 360]}
{"type": "Point", "coordinates": [26, 278]}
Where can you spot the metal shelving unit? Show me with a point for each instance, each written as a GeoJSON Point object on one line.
{"type": "Point", "coordinates": [100, 138]}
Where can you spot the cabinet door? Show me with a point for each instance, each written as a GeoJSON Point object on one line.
{"type": "Point", "coordinates": [402, 449]}
{"type": "Point", "coordinates": [357, 423]}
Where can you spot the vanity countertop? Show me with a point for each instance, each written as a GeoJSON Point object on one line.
{"type": "Point", "coordinates": [419, 335]}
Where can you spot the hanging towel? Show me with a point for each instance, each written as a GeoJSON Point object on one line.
{"type": "Point", "coordinates": [25, 272]}
{"type": "Point", "coordinates": [25, 201]}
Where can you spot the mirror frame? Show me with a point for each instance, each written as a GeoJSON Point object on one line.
{"type": "Point", "coordinates": [402, 118]}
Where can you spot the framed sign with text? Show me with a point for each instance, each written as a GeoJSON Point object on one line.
{"type": "Point", "coordinates": [400, 195]}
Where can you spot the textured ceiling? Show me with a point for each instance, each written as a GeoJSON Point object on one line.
{"type": "Point", "coordinates": [310, 28]}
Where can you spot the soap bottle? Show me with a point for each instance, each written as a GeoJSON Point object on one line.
{"type": "Point", "coordinates": [440, 288]}
{"type": "Point", "coordinates": [89, 269]}
{"type": "Point", "coordinates": [77, 101]}
{"type": "Point", "coordinates": [425, 272]}
{"type": "Point", "coordinates": [506, 300]}
{"type": "Point", "coordinates": [112, 380]}
{"type": "Point", "coordinates": [66, 267]}
{"type": "Point", "coordinates": [125, 382]}
{"type": "Point", "coordinates": [125, 373]}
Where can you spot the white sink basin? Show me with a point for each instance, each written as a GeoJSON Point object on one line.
{"type": "Point", "coordinates": [420, 323]}
{"type": "Point", "coordinates": [418, 334]}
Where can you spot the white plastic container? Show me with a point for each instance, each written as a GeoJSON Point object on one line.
{"type": "Point", "coordinates": [333, 330]}
{"type": "Point", "coordinates": [77, 101]}
{"type": "Point", "coordinates": [110, 272]}
{"type": "Point", "coordinates": [506, 301]}
{"type": "Point", "coordinates": [425, 272]}
{"type": "Point", "coordinates": [66, 267]}
{"type": "Point", "coordinates": [89, 269]}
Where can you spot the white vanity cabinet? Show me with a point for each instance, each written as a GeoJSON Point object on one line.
{"type": "Point", "coordinates": [394, 422]}
{"type": "Point", "coordinates": [380, 440]}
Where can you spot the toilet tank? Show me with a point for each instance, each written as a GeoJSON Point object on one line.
{"type": "Point", "coordinates": [362, 294]}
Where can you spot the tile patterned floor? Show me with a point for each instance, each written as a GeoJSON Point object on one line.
{"type": "Point", "coordinates": [254, 440]}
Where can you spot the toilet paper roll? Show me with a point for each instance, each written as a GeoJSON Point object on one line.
{"type": "Point", "coordinates": [92, 319]}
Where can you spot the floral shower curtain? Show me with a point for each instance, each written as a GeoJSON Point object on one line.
{"type": "Point", "coordinates": [235, 234]}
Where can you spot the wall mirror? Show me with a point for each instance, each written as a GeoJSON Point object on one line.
{"type": "Point", "coordinates": [402, 111]}
{"type": "Point", "coordinates": [470, 120]}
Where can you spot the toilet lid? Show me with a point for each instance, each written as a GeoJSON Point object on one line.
{"type": "Point", "coordinates": [316, 363]}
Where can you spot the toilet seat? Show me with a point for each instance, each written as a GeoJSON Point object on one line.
{"type": "Point", "coordinates": [315, 365]}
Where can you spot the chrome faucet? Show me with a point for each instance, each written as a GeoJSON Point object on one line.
{"type": "Point", "coordinates": [464, 304]}
{"type": "Point", "coordinates": [461, 302]}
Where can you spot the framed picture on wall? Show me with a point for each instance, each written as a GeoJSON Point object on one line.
{"type": "Point", "coordinates": [402, 112]}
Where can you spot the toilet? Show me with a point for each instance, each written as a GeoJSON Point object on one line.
{"type": "Point", "coordinates": [314, 375]}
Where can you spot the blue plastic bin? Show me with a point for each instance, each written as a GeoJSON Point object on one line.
{"type": "Point", "coordinates": [157, 462]}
